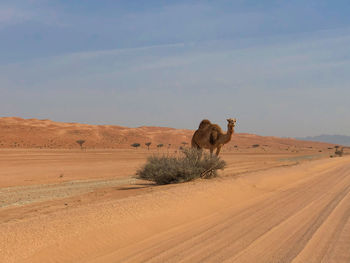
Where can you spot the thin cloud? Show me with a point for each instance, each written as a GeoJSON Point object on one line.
{"type": "Point", "coordinates": [21, 12]}
{"type": "Point", "coordinates": [99, 53]}
{"type": "Point", "coordinates": [13, 15]}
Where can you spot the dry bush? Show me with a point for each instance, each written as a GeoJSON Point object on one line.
{"type": "Point", "coordinates": [189, 165]}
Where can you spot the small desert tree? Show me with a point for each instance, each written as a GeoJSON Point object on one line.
{"type": "Point", "coordinates": [160, 145]}
{"type": "Point", "coordinates": [80, 142]}
{"type": "Point", "coordinates": [148, 145]}
{"type": "Point", "coordinates": [136, 144]}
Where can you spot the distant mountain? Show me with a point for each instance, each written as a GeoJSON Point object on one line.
{"type": "Point", "coordinates": [334, 139]}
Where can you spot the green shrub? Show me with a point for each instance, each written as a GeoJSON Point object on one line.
{"type": "Point", "coordinates": [191, 164]}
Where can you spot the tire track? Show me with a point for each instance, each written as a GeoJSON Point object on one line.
{"type": "Point", "coordinates": [197, 246]}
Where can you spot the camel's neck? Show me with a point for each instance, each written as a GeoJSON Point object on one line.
{"type": "Point", "coordinates": [227, 137]}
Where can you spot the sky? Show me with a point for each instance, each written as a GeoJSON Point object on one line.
{"type": "Point", "coordinates": [282, 68]}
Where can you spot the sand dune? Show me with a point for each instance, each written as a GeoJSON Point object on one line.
{"type": "Point", "coordinates": [34, 133]}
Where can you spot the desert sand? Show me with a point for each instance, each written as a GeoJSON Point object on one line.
{"type": "Point", "coordinates": [282, 201]}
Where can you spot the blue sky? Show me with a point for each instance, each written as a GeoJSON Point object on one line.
{"type": "Point", "coordinates": [280, 67]}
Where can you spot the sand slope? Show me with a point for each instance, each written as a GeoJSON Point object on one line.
{"type": "Point", "coordinates": [290, 214]}
{"type": "Point", "coordinates": [34, 133]}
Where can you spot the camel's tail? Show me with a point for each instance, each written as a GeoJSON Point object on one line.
{"type": "Point", "coordinates": [194, 144]}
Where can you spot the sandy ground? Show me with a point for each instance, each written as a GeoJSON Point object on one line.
{"type": "Point", "coordinates": [76, 206]}
{"type": "Point", "coordinates": [32, 176]}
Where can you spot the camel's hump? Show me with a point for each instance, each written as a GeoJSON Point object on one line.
{"type": "Point", "coordinates": [204, 123]}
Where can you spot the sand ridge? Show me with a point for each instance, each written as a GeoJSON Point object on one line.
{"type": "Point", "coordinates": [33, 133]}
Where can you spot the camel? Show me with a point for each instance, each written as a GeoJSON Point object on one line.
{"type": "Point", "coordinates": [210, 136]}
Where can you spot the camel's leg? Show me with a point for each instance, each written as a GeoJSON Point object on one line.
{"type": "Point", "coordinates": [211, 151]}
{"type": "Point", "coordinates": [218, 150]}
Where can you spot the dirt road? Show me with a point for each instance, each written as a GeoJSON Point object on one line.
{"type": "Point", "coordinates": [290, 214]}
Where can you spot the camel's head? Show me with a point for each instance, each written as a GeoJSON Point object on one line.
{"type": "Point", "coordinates": [232, 122]}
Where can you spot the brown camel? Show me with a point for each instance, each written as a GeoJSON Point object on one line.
{"type": "Point", "coordinates": [210, 136]}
